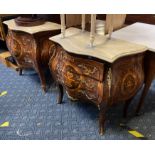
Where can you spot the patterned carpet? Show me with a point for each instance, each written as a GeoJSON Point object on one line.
{"type": "Point", "coordinates": [34, 115]}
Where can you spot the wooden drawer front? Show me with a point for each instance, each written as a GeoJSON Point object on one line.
{"type": "Point", "coordinates": [80, 85]}
{"type": "Point", "coordinates": [95, 95]}
{"type": "Point", "coordinates": [85, 66]}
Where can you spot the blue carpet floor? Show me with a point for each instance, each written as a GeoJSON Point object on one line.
{"type": "Point", "coordinates": [35, 115]}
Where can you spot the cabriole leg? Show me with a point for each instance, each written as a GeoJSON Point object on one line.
{"type": "Point", "coordinates": [126, 106]}
{"type": "Point", "coordinates": [20, 71]}
{"type": "Point", "coordinates": [102, 119]}
{"type": "Point", "coordinates": [144, 93]}
{"type": "Point", "coordinates": [60, 94]}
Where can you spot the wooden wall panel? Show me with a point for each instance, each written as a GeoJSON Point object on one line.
{"type": "Point", "coordinates": [117, 23]}
{"type": "Point", "coordinates": [144, 18]}
{"type": "Point", "coordinates": [74, 20]}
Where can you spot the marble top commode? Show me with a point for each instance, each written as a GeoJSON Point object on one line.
{"type": "Point", "coordinates": [47, 26]}
{"type": "Point", "coordinates": [77, 42]}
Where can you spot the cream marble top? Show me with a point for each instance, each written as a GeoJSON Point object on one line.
{"type": "Point", "coordinates": [109, 50]}
{"type": "Point", "coordinates": [47, 26]}
{"type": "Point", "coordinates": [139, 33]}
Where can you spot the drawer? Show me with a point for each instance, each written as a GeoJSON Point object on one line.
{"type": "Point", "coordinates": [83, 66]}
{"type": "Point", "coordinates": [87, 89]}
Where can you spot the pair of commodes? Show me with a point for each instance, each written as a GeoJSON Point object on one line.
{"type": "Point", "coordinates": [102, 69]}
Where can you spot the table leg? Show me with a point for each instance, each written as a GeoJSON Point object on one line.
{"type": "Point", "coordinates": [126, 106]}
{"type": "Point", "coordinates": [60, 94]}
{"type": "Point", "coordinates": [20, 71]}
{"type": "Point", "coordinates": [38, 64]}
{"type": "Point", "coordinates": [42, 79]}
{"type": "Point", "coordinates": [144, 93]}
{"type": "Point", "coordinates": [149, 76]}
{"type": "Point", "coordinates": [102, 118]}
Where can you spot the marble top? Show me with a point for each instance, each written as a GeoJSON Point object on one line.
{"type": "Point", "coordinates": [47, 26]}
{"type": "Point", "coordinates": [77, 42]}
{"type": "Point", "coordinates": [139, 33]}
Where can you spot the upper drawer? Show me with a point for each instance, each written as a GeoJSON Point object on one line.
{"type": "Point", "coordinates": [84, 66]}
